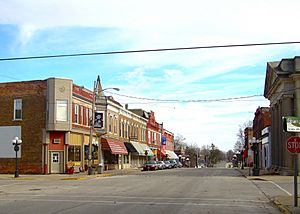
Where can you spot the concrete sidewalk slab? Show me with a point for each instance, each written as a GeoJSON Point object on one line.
{"type": "Point", "coordinates": [284, 202]}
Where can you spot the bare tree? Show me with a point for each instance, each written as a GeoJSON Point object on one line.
{"type": "Point", "coordinates": [179, 142]}
{"type": "Point", "coordinates": [238, 146]}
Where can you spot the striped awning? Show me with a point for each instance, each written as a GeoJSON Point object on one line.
{"type": "Point", "coordinates": [115, 146]}
{"type": "Point", "coordinates": [171, 154]}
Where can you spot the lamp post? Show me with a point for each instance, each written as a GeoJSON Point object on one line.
{"type": "Point", "coordinates": [16, 142]}
{"type": "Point", "coordinates": [92, 122]}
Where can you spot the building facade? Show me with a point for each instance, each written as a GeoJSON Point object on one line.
{"type": "Point", "coordinates": [53, 118]}
{"type": "Point", "coordinates": [282, 88]}
{"type": "Point", "coordinates": [262, 119]}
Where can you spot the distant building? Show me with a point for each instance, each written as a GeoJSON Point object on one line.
{"type": "Point", "coordinates": [262, 119]}
{"type": "Point", "coordinates": [248, 133]}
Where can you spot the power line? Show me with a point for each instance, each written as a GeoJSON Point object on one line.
{"type": "Point", "coordinates": [147, 50]}
{"type": "Point", "coordinates": [187, 101]}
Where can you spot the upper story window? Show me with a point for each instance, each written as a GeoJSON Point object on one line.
{"type": "Point", "coordinates": [87, 119]}
{"type": "Point", "coordinates": [76, 113]}
{"type": "Point", "coordinates": [17, 109]}
{"type": "Point", "coordinates": [110, 123]}
{"type": "Point", "coordinates": [62, 110]}
{"type": "Point", "coordinates": [115, 125]}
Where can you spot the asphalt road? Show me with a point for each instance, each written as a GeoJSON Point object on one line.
{"type": "Point", "coordinates": [186, 190]}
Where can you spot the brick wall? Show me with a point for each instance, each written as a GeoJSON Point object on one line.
{"type": "Point", "coordinates": [33, 95]}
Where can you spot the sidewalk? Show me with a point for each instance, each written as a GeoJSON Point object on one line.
{"type": "Point", "coordinates": [283, 201]}
{"type": "Point", "coordinates": [75, 176]}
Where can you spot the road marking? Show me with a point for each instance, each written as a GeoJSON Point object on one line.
{"type": "Point", "coordinates": [234, 200]}
{"type": "Point", "coordinates": [289, 194]}
{"type": "Point", "coordinates": [114, 202]}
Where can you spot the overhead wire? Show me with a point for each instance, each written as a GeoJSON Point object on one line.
{"type": "Point", "coordinates": [148, 50]}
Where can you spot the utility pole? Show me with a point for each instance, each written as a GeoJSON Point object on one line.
{"type": "Point", "coordinates": [90, 170]}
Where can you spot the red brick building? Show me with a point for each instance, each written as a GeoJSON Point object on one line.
{"type": "Point", "coordinates": [51, 117]}
{"type": "Point", "coordinates": [262, 119]}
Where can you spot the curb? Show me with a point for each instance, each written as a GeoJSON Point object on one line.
{"type": "Point", "coordinates": [281, 207]}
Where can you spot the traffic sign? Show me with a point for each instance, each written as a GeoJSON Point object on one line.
{"type": "Point", "coordinates": [293, 144]}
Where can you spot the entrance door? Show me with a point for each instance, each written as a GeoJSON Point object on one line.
{"type": "Point", "coordinates": [56, 162]}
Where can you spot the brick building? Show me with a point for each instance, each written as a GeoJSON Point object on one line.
{"type": "Point", "coordinates": [53, 117]}
{"type": "Point", "coordinates": [262, 120]}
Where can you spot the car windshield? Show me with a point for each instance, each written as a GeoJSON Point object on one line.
{"type": "Point", "coordinates": [150, 162]}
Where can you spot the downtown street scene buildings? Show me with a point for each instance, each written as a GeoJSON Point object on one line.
{"type": "Point", "coordinates": [53, 119]}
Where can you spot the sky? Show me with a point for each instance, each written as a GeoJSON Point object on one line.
{"type": "Point", "coordinates": [37, 28]}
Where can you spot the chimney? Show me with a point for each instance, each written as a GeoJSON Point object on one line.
{"type": "Point", "coordinates": [126, 106]}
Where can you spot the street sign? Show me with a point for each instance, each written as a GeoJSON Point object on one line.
{"type": "Point", "coordinates": [293, 144]}
{"type": "Point", "coordinates": [291, 124]}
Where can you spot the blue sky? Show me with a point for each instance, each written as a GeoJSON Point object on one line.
{"type": "Point", "coordinates": [32, 28]}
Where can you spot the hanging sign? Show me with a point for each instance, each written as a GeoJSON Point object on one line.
{"type": "Point", "coordinates": [99, 120]}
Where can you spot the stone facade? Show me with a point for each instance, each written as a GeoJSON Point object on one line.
{"type": "Point", "coordinates": [282, 88]}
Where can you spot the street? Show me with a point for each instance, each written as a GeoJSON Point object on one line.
{"type": "Point", "coordinates": [186, 190]}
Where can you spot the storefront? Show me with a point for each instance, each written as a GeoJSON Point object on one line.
{"type": "Point", "coordinates": [171, 155]}
{"type": "Point", "coordinates": [115, 154]}
{"type": "Point", "coordinates": [56, 152]}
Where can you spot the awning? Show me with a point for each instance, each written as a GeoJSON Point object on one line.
{"type": "Point", "coordinates": [139, 148]}
{"type": "Point", "coordinates": [146, 148]}
{"type": "Point", "coordinates": [115, 146]}
{"type": "Point", "coordinates": [130, 147]}
{"type": "Point", "coordinates": [171, 154]}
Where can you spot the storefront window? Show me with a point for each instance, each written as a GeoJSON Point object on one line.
{"type": "Point", "coordinates": [126, 159]}
{"type": "Point", "coordinates": [74, 153]}
{"type": "Point", "coordinates": [95, 152]}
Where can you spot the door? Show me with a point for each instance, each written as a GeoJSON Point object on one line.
{"type": "Point", "coordinates": [56, 162]}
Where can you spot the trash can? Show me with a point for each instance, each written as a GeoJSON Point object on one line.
{"type": "Point", "coordinates": [100, 168]}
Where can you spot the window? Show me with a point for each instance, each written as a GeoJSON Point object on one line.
{"type": "Point", "coordinates": [74, 153]}
{"type": "Point", "coordinates": [62, 110]}
{"type": "Point", "coordinates": [87, 119]}
{"type": "Point", "coordinates": [115, 125]}
{"type": "Point", "coordinates": [126, 159]}
{"type": "Point", "coordinates": [18, 109]}
{"type": "Point", "coordinates": [76, 113]}
{"type": "Point", "coordinates": [81, 115]}
{"type": "Point", "coordinates": [120, 129]}
{"type": "Point", "coordinates": [110, 123]}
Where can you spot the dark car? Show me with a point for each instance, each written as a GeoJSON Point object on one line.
{"type": "Point", "coordinates": [168, 164]}
{"type": "Point", "coordinates": [150, 165]}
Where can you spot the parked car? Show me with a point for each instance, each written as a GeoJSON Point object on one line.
{"type": "Point", "coordinates": [161, 165]}
{"type": "Point", "coordinates": [168, 164]}
{"type": "Point", "coordinates": [150, 165]}
{"type": "Point", "coordinates": [173, 163]}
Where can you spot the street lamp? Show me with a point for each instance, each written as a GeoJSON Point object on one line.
{"type": "Point", "coordinates": [16, 142]}
{"type": "Point", "coordinates": [95, 94]}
